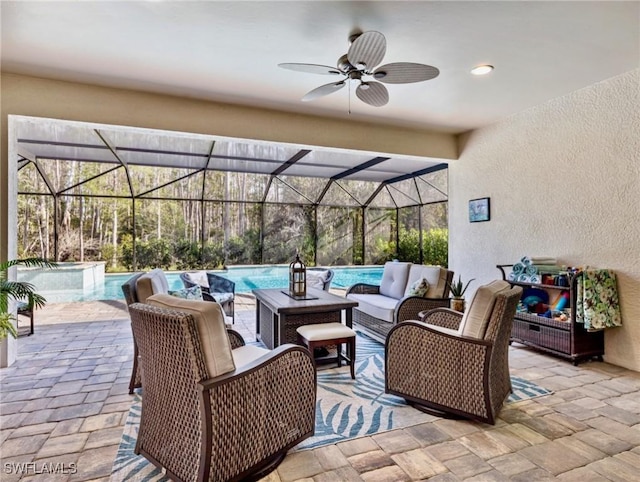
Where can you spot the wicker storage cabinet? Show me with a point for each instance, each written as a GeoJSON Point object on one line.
{"type": "Point", "coordinates": [566, 339]}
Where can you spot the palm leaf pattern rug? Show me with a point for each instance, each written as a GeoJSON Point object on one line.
{"type": "Point", "coordinates": [345, 409]}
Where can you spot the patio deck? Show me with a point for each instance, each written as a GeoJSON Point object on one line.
{"type": "Point", "coordinates": [66, 398]}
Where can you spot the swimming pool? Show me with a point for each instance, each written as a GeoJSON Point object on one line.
{"type": "Point", "coordinates": [246, 279]}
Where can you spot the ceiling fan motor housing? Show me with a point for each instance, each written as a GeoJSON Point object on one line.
{"type": "Point", "coordinates": [344, 65]}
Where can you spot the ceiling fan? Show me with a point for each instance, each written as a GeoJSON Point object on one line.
{"type": "Point", "coordinates": [365, 52]}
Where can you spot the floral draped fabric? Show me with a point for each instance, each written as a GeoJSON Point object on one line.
{"type": "Point", "coordinates": [597, 303]}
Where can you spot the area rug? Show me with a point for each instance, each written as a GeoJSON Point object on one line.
{"type": "Point", "coordinates": [345, 409]}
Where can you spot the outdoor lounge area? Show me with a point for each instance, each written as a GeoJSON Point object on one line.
{"type": "Point", "coordinates": [164, 146]}
{"type": "Point", "coordinates": [66, 401]}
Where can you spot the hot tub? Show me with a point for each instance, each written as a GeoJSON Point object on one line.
{"type": "Point", "coordinates": [68, 276]}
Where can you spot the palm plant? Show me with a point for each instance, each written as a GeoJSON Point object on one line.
{"type": "Point", "coordinates": [18, 290]}
{"type": "Point", "coordinates": [458, 288]}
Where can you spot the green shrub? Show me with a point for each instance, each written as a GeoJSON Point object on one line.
{"type": "Point", "coordinates": [435, 247]}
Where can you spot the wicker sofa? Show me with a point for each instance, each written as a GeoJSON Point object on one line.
{"type": "Point", "coordinates": [382, 307]}
{"type": "Point", "coordinates": [211, 411]}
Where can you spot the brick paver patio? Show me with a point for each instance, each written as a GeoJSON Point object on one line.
{"type": "Point", "coordinates": [65, 400]}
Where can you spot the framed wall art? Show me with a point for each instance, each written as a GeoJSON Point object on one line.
{"type": "Point", "coordinates": [479, 210]}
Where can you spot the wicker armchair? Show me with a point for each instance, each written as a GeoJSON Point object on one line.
{"type": "Point", "coordinates": [235, 425]}
{"type": "Point", "coordinates": [378, 311]}
{"type": "Point", "coordinates": [214, 288]}
{"type": "Point", "coordinates": [131, 296]}
{"type": "Point", "coordinates": [453, 364]}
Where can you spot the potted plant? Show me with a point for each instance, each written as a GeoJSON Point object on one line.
{"type": "Point", "coordinates": [458, 289]}
{"type": "Point", "coordinates": [18, 290]}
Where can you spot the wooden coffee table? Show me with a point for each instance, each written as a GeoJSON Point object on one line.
{"type": "Point", "coordinates": [278, 315]}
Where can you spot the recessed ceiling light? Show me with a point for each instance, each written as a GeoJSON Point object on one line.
{"type": "Point", "coordinates": [482, 69]}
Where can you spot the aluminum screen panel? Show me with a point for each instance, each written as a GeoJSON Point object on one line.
{"type": "Point", "coordinates": [30, 180]}
{"type": "Point", "coordinates": [157, 141]}
{"type": "Point", "coordinates": [311, 187]}
{"type": "Point", "coordinates": [163, 160]}
{"type": "Point", "coordinates": [70, 153]}
{"type": "Point", "coordinates": [307, 169]}
{"type": "Point", "coordinates": [250, 150]}
{"type": "Point", "coordinates": [342, 160]}
{"type": "Point", "coordinates": [240, 165]}
{"type": "Point", "coordinates": [361, 190]}
{"type": "Point", "coordinates": [55, 131]}
{"type": "Point", "coordinates": [235, 186]}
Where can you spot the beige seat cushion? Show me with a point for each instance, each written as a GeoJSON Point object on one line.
{"type": "Point", "coordinates": [210, 323]}
{"type": "Point", "coordinates": [394, 279]}
{"type": "Point", "coordinates": [246, 354]}
{"type": "Point", "coordinates": [151, 283]}
{"type": "Point", "coordinates": [435, 276]}
{"type": "Point", "coordinates": [222, 297]}
{"type": "Point", "coordinates": [474, 321]}
{"type": "Point", "coordinates": [378, 306]}
{"type": "Point", "coordinates": [325, 331]}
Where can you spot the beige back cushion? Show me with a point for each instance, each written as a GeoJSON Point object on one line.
{"type": "Point", "coordinates": [199, 278]}
{"type": "Point", "coordinates": [211, 330]}
{"type": "Point", "coordinates": [151, 283]}
{"type": "Point", "coordinates": [317, 278]}
{"type": "Point", "coordinates": [474, 321]}
{"type": "Point", "coordinates": [435, 276]}
{"type": "Point", "coordinates": [394, 279]}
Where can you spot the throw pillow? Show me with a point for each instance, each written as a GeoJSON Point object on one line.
{"type": "Point", "coordinates": [193, 293]}
{"type": "Point", "coordinates": [419, 288]}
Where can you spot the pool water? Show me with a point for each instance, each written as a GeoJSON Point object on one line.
{"type": "Point", "coordinates": [245, 278]}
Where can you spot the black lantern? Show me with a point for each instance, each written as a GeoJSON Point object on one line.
{"type": "Point", "coordinates": [297, 278]}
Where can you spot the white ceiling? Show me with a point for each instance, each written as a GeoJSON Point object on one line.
{"type": "Point", "coordinates": [229, 51]}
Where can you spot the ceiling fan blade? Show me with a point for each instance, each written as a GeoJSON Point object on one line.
{"type": "Point", "coordinates": [312, 68]}
{"type": "Point", "coordinates": [367, 50]}
{"type": "Point", "coordinates": [323, 90]}
{"type": "Point", "coordinates": [405, 73]}
{"type": "Point", "coordinates": [373, 93]}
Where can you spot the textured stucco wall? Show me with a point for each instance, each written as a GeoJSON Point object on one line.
{"type": "Point", "coordinates": [564, 181]}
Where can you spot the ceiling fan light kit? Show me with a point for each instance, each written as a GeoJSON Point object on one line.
{"type": "Point", "coordinates": [365, 52]}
